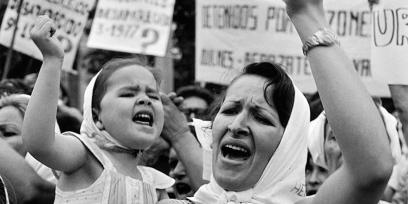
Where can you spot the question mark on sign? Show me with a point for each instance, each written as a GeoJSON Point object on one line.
{"type": "Point", "coordinates": [152, 36]}
{"type": "Point", "coordinates": [66, 43]}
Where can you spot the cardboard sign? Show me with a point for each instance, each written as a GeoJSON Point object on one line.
{"type": "Point", "coordinates": [232, 34]}
{"type": "Point", "coordinates": [69, 17]}
{"type": "Point", "coordinates": [132, 26]}
{"type": "Point", "coordinates": [389, 45]}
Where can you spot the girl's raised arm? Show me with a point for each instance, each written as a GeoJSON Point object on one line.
{"type": "Point", "coordinates": [350, 110]}
{"type": "Point", "coordinates": [56, 151]}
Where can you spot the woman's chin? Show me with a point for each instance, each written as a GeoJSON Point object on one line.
{"type": "Point", "coordinates": [231, 183]}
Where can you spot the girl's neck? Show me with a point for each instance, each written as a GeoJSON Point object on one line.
{"type": "Point", "coordinates": [125, 163]}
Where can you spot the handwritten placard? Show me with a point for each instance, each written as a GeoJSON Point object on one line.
{"type": "Point", "coordinates": [390, 42]}
{"type": "Point", "coordinates": [232, 34]}
{"type": "Point", "coordinates": [132, 26]}
{"type": "Point", "coordinates": [69, 17]}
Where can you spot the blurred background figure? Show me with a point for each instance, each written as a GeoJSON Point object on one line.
{"type": "Point", "coordinates": [26, 180]}
{"type": "Point", "coordinates": [315, 176]}
{"type": "Point", "coordinates": [12, 111]}
{"type": "Point", "coordinates": [19, 182]}
{"type": "Point", "coordinates": [196, 101]}
{"type": "Point", "coordinates": [325, 155]}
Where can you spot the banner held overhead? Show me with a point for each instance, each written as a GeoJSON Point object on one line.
{"type": "Point", "coordinates": [132, 26]}
{"type": "Point", "coordinates": [69, 17]}
{"type": "Point", "coordinates": [232, 34]}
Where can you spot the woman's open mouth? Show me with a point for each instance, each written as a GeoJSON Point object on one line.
{"type": "Point", "coordinates": [235, 152]}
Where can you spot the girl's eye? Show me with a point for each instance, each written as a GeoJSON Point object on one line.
{"type": "Point", "coordinates": [127, 95]}
{"type": "Point", "coordinates": [154, 96]}
{"type": "Point", "coordinates": [9, 134]}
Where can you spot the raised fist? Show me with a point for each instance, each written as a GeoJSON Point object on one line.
{"type": "Point", "coordinates": [42, 35]}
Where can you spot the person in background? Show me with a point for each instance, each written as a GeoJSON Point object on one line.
{"type": "Point", "coordinates": [14, 86]}
{"type": "Point", "coordinates": [21, 183]}
{"type": "Point", "coordinates": [12, 111]}
{"type": "Point", "coordinates": [327, 156]}
{"type": "Point", "coordinates": [315, 176]}
{"type": "Point", "coordinates": [196, 103]}
{"type": "Point", "coordinates": [399, 95]}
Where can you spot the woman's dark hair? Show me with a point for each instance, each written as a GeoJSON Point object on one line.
{"type": "Point", "coordinates": [108, 69]}
{"type": "Point", "coordinates": [282, 93]}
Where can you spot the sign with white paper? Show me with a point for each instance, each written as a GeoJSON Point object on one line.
{"type": "Point", "coordinates": [232, 34]}
{"type": "Point", "coordinates": [69, 17]}
{"type": "Point", "coordinates": [389, 45]}
{"type": "Point", "coordinates": [132, 26]}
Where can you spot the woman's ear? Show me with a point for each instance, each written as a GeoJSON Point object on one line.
{"type": "Point", "coordinates": [95, 114]}
{"type": "Point", "coordinates": [99, 125]}
{"type": "Point", "coordinates": [97, 121]}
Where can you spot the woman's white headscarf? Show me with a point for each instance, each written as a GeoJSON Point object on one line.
{"type": "Point", "coordinates": [88, 127]}
{"type": "Point", "coordinates": [283, 179]}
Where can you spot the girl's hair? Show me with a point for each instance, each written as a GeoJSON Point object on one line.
{"type": "Point", "coordinates": [108, 69]}
{"type": "Point", "coordinates": [18, 101]}
{"type": "Point", "coordinates": [281, 93]}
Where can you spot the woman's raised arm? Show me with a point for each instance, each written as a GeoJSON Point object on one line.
{"type": "Point", "coordinates": [350, 110]}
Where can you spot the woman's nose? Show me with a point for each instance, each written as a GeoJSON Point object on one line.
{"type": "Point", "coordinates": [239, 125]}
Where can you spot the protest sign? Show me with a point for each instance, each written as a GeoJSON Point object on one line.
{"type": "Point", "coordinates": [389, 45]}
{"type": "Point", "coordinates": [69, 17]}
{"type": "Point", "coordinates": [135, 26]}
{"type": "Point", "coordinates": [232, 34]}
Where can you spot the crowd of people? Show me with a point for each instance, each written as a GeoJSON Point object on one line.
{"type": "Point", "coordinates": [134, 144]}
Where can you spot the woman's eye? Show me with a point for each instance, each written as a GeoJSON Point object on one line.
{"type": "Point", "coordinates": [262, 119]}
{"type": "Point", "coordinates": [308, 169]}
{"type": "Point", "coordinates": [229, 111]}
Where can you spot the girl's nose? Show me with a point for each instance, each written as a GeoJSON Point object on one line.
{"type": "Point", "coordinates": [144, 101]}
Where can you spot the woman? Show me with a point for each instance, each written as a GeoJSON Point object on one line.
{"type": "Point", "coordinates": [12, 110]}
{"type": "Point", "coordinates": [21, 184]}
{"type": "Point", "coordinates": [257, 120]}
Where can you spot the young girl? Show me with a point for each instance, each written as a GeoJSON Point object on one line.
{"type": "Point", "coordinates": [123, 115]}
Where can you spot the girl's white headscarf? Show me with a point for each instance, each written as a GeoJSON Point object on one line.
{"type": "Point", "coordinates": [283, 179]}
{"type": "Point", "coordinates": [316, 137]}
{"type": "Point", "coordinates": [102, 138]}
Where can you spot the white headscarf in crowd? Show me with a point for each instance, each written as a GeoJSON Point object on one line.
{"type": "Point", "coordinates": [283, 179]}
{"type": "Point", "coordinates": [317, 130]}
{"type": "Point", "coordinates": [88, 127]}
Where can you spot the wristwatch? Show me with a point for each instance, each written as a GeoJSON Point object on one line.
{"type": "Point", "coordinates": [322, 37]}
